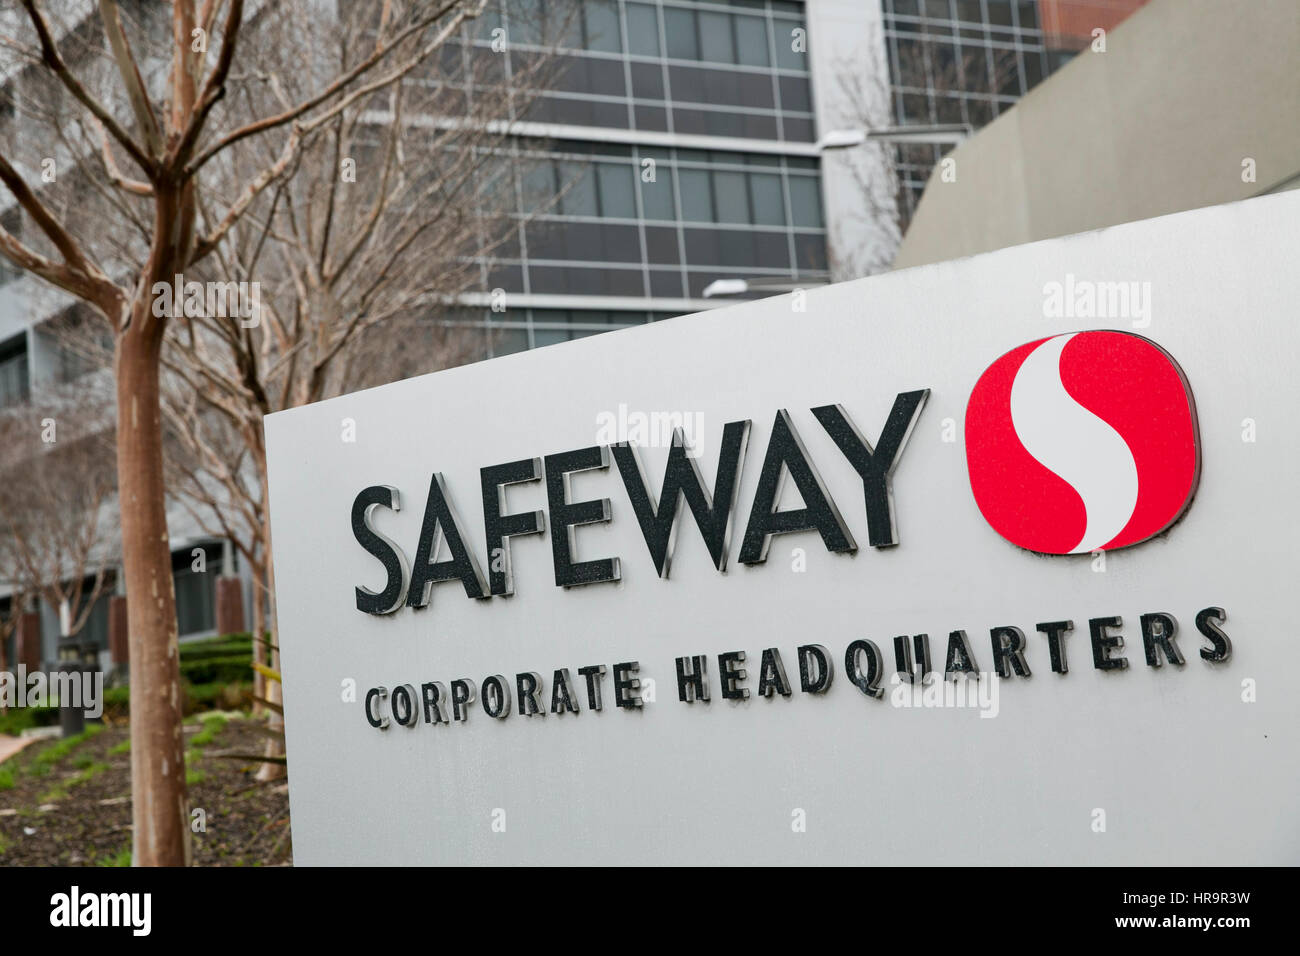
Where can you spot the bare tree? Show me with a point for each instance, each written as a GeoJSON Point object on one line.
{"type": "Point", "coordinates": [357, 261]}
{"type": "Point", "coordinates": [56, 503]}
{"type": "Point", "coordinates": [926, 64]}
{"type": "Point", "coordinates": [161, 132]}
{"type": "Point", "coordinates": [10, 616]}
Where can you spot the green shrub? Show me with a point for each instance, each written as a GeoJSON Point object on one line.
{"type": "Point", "coordinates": [15, 720]}
{"type": "Point", "coordinates": [219, 696]}
{"type": "Point", "coordinates": [218, 670]}
{"type": "Point", "coordinates": [204, 650]}
{"type": "Point", "coordinates": [6, 778]}
{"type": "Point", "coordinates": [117, 702]}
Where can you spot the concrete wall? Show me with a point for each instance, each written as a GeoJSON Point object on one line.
{"type": "Point", "coordinates": [1160, 122]}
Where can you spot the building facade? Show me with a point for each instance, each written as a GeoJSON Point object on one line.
{"type": "Point", "coordinates": [680, 137]}
{"type": "Point", "coordinates": [969, 61]}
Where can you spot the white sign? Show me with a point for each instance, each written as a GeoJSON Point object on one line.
{"type": "Point", "coordinates": [1048, 619]}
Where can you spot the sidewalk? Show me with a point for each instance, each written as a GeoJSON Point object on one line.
{"type": "Point", "coordinates": [11, 745]}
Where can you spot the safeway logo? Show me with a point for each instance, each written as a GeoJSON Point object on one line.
{"type": "Point", "coordinates": [1082, 442]}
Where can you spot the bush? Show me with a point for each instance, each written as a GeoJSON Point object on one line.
{"type": "Point", "coordinates": [219, 670]}
{"type": "Point", "coordinates": [217, 647]}
{"type": "Point", "coordinates": [236, 696]}
{"type": "Point", "coordinates": [117, 702]}
{"type": "Point", "coordinates": [213, 695]}
{"type": "Point", "coordinates": [15, 720]}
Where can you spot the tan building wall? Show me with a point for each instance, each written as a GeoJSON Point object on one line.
{"type": "Point", "coordinates": [1186, 91]}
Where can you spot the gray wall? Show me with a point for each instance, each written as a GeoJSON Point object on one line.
{"type": "Point", "coordinates": [1159, 123]}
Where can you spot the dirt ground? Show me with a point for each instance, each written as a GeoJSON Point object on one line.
{"type": "Point", "coordinates": [68, 803]}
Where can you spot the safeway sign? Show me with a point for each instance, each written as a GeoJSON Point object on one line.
{"type": "Point", "coordinates": [983, 562]}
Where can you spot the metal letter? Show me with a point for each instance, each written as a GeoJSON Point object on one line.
{"type": "Point", "coordinates": [876, 466]}
{"type": "Point", "coordinates": [786, 454]}
{"type": "Point", "coordinates": [440, 524]}
{"type": "Point", "coordinates": [682, 479]}
{"type": "Point", "coordinates": [501, 527]}
{"type": "Point", "coordinates": [390, 555]}
{"type": "Point", "coordinates": [566, 515]}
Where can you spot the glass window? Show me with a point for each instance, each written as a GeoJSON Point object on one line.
{"type": "Point", "coordinates": [508, 341]}
{"type": "Point", "coordinates": [751, 41]}
{"type": "Point", "coordinates": [657, 196]}
{"type": "Point", "coordinates": [616, 196]}
{"type": "Point", "coordinates": [999, 12]}
{"type": "Point", "coordinates": [1033, 69]}
{"type": "Point", "coordinates": [538, 185]}
{"type": "Point", "coordinates": [579, 190]}
{"type": "Point", "coordinates": [642, 29]}
{"type": "Point", "coordinates": [1007, 72]}
{"type": "Point", "coordinates": [602, 29]}
{"type": "Point", "coordinates": [715, 38]}
{"type": "Point", "coordinates": [679, 30]}
{"type": "Point", "coordinates": [805, 201]}
{"type": "Point", "coordinates": [14, 383]}
{"type": "Point", "coordinates": [791, 42]}
{"type": "Point", "coordinates": [732, 197]}
{"type": "Point", "coordinates": [194, 602]}
{"type": "Point", "coordinates": [489, 21]}
{"type": "Point", "coordinates": [525, 21]}
{"type": "Point", "coordinates": [911, 64]}
{"type": "Point", "coordinates": [766, 200]}
{"type": "Point", "coordinates": [697, 205]}
{"type": "Point", "coordinates": [550, 336]}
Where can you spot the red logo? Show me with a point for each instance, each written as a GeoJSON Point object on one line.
{"type": "Point", "coordinates": [1082, 442]}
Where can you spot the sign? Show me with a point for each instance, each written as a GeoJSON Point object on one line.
{"type": "Point", "coordinates": [921, 568]}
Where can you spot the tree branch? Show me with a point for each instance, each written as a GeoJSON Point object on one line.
{"type": "Point", "coordinates": [339, 84]}
{"type": "Point", "coordinates": [54, 60]}
{"type": "Point", "coordinates": [130, 72]}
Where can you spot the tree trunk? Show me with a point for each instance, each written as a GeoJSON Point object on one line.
{"type": "Point", "coordinates": [274, 688]}
{"type": "Point", "coordinates": [160, 813]}
{"type": "Point", "coordinates": [259, 631]}
{"type": "Point", "coordinates": [14, 611]}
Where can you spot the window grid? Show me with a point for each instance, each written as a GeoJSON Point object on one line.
{"type": "Point", "coordinates": [625, 243]}
{"type": "Point", "coordinates": [674, 111]}
{"type": "Point", "coordinates": [597, 186]}
{"type": "Point", "coordinates": [992, 64]}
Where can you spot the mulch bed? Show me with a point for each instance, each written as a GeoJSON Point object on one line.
{"type": "Point", "coordinates": [75, 810]}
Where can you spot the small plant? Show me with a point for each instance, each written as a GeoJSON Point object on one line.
{"type": "Point", "coordinates": [6, 778]}
{"type": "Point", "coordinates": [123, 748]}
{"type": "Point", "coordinates": [212, 725]}
{"type": "Point", "coordinates": [60, 791]}
{"type": "Point", "coordinates": [276, 734]}
{"type": "Point", "coordinates": [120, 858]}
